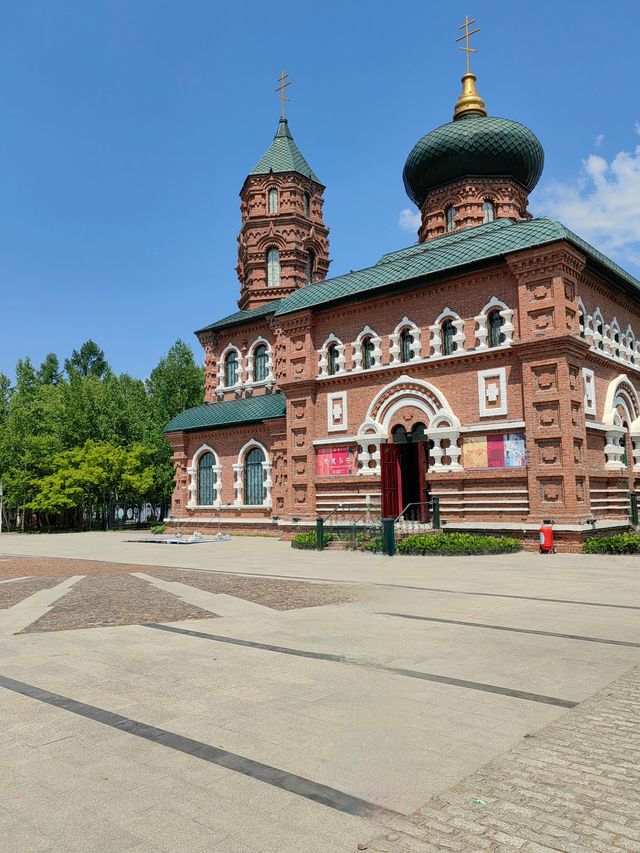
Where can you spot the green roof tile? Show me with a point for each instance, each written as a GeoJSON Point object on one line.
{"type": "Point", "coordinates": [240, 317]}
{"type": "Point", "coordinates": [284, 155]}
{"type": "Point", "coordinates": [444, 254]}
{"type": "Point", "coordinates": [229, 412]}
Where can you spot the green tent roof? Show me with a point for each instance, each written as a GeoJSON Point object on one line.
{"type": "Point", "coordinates": [445, 255]}
{"type": "Point", "coordinates": [284, 156]}
{"type": "Point", "coordinates": [436, 258]}
{"type": "Point", "coordinates": [240, 317]}
{"type": "Point", "coordinates": [230, 412]}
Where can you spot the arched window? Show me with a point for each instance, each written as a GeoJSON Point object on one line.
{"type": "Point", "coordinates": [206, 479]}
{"type": "Point", "coordinates": [231, 369]}
{"type": "Point", "coordinates": [260, 363]}
{"type": "Point", "coordinates": [600, 331]}
{"type": "Point", "coordinates": [616, 342]}
{"type": "Point", "coordinates": [254, 477]}
{"type": "Point", "coordinates": [332, 359]}
{"type": "Point", "coordinates": [273, 268]}
{"type": "Point", "coordinates": [488, 211]}
{"type": "Point", "coordinates": [496, 321]}
{"type": "Point", "coordinates": [450, 218]}
{"type": "Point", "coordinates": [273, 200]}
{"type": "Point", "coordinates": [306, 204]}
{"type": "Point", "coordinates": [447, 331]}
{"type": "Point", "coordinates": [406, 339]}
{"type": "Point", "coordinates": [367, 352]}
{"type": "Point", "coordinates": [311, 262]}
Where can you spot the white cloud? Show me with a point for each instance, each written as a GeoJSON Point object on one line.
{"type": "Point", "coordinates": [602, 204]}
{"type": "Point", "coordinates": [409, 220]}
{"type": "Point", "coordinates": [599, 140]}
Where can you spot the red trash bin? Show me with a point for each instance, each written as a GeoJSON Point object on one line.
{"type": "Point", "coordinates": [546, 538]}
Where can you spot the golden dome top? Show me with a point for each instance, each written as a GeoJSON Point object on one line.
{"type": "Point", "coordinates": [469, 103]}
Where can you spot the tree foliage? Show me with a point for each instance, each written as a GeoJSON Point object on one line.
{"type": "Point", "coordinates": [70, 442]}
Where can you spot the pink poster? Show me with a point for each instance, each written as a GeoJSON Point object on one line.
{"type": "Point", "coordinates": [336, 461]}
{"type": "Point", "coordinates": [495, 451]}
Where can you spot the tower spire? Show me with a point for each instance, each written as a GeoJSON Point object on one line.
{"type": "Point", "coordinates": [469, 103]}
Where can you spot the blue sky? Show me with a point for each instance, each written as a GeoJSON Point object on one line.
{"type": "Point", "coordinates": [128, 127]}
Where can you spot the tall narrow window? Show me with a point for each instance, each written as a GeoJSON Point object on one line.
{"type": "Point", "coordinates": [332, 359]}
{"type": "Point", "coordinates": [311, 261]}
{"type": "Point", "coordinates": [273, 200]}
{"type": "Point", "coordinates": [495, 329]}
{"type": "Point", "coordinates": [448, 330]}
{"type": "Point", "coordinates": [581, 323]}
{"type": "Point", "coordinates": [273, 268]}
{"type": "Point", "coordinates": [254, 477]}
{"type": "Point", "coordinates": [406, 339]}
{"type": "Point", "coordinates": [306, 204]}
{"type": "Point", "coordinates": [450, 218]}
{"type": "Point", "coordinates": [488, 211]}
{"type": "Point", "coordinates": [206, 479]}
{"type": "Point", "coordinates": [367, 353]}
{"type": "Point", "coordinates": [616, 343]}
{"type": "Point", "coordinates": [600, 331]}
{"type": "Point", "coordinates": [231, 369]}
{"type": "Point", "coordinates": [260, 363]}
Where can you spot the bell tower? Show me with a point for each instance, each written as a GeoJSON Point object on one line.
{"type": "Point", "coordinates": [283, 243]}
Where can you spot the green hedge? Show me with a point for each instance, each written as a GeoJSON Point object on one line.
{"type": "Point", "coordinates": [307, 541]}
{"type": "Point", "coordinates": [622, 543]}
{"type": "Point", "coordinates": [450, 544]}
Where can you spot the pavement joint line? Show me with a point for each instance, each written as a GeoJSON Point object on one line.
{"type": "Point", "coordinates": [408, 673]}
{"type": "Point", "coordinates": [298, 785]}
{"type": "Point", "coordinates": [627, 643]}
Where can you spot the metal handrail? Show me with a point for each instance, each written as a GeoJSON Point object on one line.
{"type": "Point", "coordinates": [414, 503]}
{"type": "Point", "coordinates": [335, 509]}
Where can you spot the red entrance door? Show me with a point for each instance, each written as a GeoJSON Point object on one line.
{"type": "Point", "coordinates": [391, 480]}
{"type": "Point", "coordinates": [423, 466]}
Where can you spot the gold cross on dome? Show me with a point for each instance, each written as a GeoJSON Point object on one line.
{"type": "Point", "coordinates": [281, 89]}
{"type": "Point", "coordinates": [467, 34]}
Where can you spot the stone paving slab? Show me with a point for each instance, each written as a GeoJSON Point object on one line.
{"type": "Point", "coordinates": [18, 590]}
{"type": "Point", "coordinates": [574, 787]}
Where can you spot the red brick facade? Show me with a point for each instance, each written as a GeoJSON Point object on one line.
{"type": "Point", "coordinates": [539, 419]}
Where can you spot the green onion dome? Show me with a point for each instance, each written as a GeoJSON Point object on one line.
{"type": "Point", "coordinates": [473, 144]}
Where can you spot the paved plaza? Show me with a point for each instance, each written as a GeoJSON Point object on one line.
{"type": "Point", "coordinates": [242, 696]}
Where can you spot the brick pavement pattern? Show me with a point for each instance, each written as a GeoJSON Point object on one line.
{"type": "Point", "coordinates": [277, 594]}
{"type": "Point", "coordinates": [573, 787]}
{"type": "Point", "coordinates": [16, 591]}
{"type": "Point", "coordinates": [114, 600]}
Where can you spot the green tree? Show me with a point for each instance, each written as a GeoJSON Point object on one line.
{"type": "Point", "coordinates": [49, 371]}
{"type": "Point", "coordinates": [175, 384]}
{"type": "Point", "coordinates": [89, 360]}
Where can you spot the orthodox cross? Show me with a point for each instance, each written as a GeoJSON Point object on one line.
{"type": "Point", "coordinates": [281, 89]}
{"type": "Point", "coordinates": [465, 38]}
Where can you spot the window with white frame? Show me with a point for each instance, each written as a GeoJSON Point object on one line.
{"type": "Point", "coordinates": [231, 369]}
{"type": "Point", "coordinates": [273, 200]}
{"type": "Point", "coordinates": [260, 363]}
{"type": "Point", "coordinates": [488, 211]}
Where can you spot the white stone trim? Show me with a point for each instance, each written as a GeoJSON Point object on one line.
{"type": "Point", "coordinates": [498, 425]}
{"type": "Point", "coordinates": [323, 364]}
{"type": "Point", "coordinates": [499, 373]}
{"type": "Point", "coordinates": [333, 399]}
{"type": "Point", "coordinates": [220, 390]}
{"type": "Point", "coordinates": [589, 388]}
{"type": "Point", "coordinates": [356, 348]}
{"type": "Point", "coordinates": [238, 468]}
{"type": "Point", "coordinates": [192, 472]}
{"type": "Point", "coordinates": [269, 381]}
{"type": "Point", "coordinates": [482, 331]}
{"type": "Point", "coordinates": [394, 337]}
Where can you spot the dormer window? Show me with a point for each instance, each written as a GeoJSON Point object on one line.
{"type": "Point", "coordinates": [449, 216]}
{"type": "Point", "coordinates": [273, 200]}
{"type": "Point", "coordinates": [488, 211]}
{"type": "Point", "coordinates": [273, 268]}
{"type": "Point", "coordinates": [306, 204]}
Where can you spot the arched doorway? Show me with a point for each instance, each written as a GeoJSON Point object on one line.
{"type": "Point", "coordinates": [404, 463]}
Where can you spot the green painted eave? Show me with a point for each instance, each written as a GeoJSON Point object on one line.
{"type": "Point", "coordinates": [229, 412]}
{"type": "Point", "coordinates": [240, 317]}
{"type": "Point", "coordinates": [283, 155]}
{"type": "Point", "coordinates": [448, 254]}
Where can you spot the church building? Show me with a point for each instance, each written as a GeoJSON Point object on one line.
{"type": "Point", "coordinates": [494, 364]}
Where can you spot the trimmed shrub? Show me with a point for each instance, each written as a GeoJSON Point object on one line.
{"type": "Point", "coordinates": [307, 541]}
{"type": "Point", "coordinates": [365, 542]}
{"type": "Point", "coordinates": [621, 543]}
{"type": "Point", "coordinates": [452, 544]}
